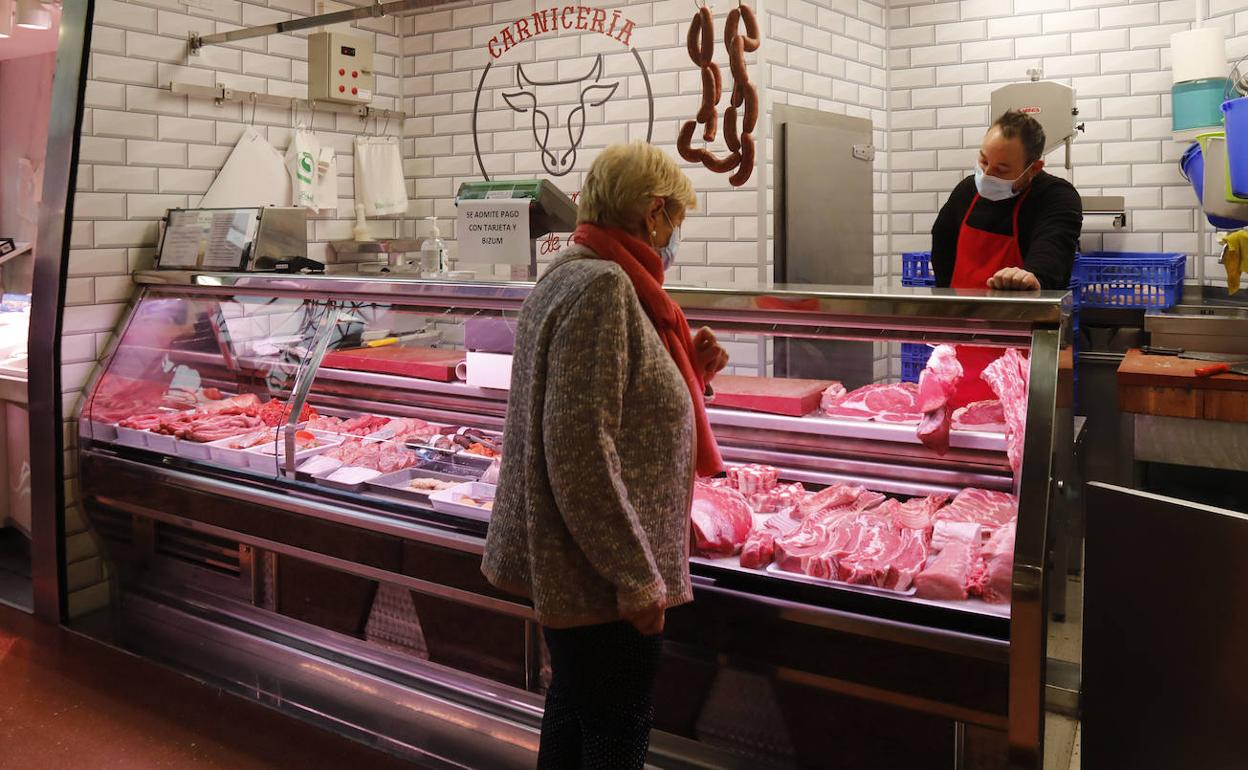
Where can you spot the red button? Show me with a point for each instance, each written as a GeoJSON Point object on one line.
{"type": "Point", "coordinates": [355, 90]}
{"type": "Point", "coordinates": [342, 71]}
{"type": "Point", "coordinates": [355, 74]}
{"type": "Point", "coordinates": [341, 89]}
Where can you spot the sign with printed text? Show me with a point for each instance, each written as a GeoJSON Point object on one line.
{"type": "Point", "coordinates": [493, 232]}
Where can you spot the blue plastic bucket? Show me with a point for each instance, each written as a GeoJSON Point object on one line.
{"type": "Point", "coordinates": [1236, 112]}
{"type": "Point", "coordinates": [1198, 104]}
{"type": "Point", "coordinates": [1193, 166]}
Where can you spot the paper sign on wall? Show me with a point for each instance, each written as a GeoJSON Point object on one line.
{"type": "Point", "coordinates": [493, 232]}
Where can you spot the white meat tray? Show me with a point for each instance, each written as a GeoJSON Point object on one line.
{"type": "Point", "coordinates": [445, 501]}
{"type": "Point", "coordinates": [774, 569]}
{"type": "Point", "coordinates": [132, 437]}
{"type": "Point", "coordinates": [263, 457]}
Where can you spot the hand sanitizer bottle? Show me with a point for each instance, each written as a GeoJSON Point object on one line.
{"type": "Point", "coordinates": [433, 252]}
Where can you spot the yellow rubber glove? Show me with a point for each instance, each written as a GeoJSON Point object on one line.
{"type": "Point", "coordinates": [1233, 257]}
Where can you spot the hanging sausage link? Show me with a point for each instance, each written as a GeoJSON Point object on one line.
{"type": "Point", "coordinates": [700, 43]}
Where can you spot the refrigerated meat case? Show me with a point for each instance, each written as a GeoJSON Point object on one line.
{"type": "Point", "coordinates": [362, 606]}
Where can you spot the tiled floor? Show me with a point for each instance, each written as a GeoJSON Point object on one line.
{"type": "Point", "coordinates": [66, 702]}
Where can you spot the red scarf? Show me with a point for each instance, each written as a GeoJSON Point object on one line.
{"type": "Point", "coordinates": [645, 270]}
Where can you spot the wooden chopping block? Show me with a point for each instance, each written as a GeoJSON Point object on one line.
{"type": "Point", "coordinates": [1167, 386]}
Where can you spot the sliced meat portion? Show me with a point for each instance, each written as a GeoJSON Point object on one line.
{"type": "Point", "coordinates": [721, 520]}
{"type": "Point", "coordinates": [946, 532]}
{"type": "Point", "coordinates": [753, 479]}
{"type": "Point", "coordinates": [916, 513]}
{"type": "Point", "coordinates": [1008, 377]}
{"type": "Point", "coordinates": [999, 565]}
{"type": "Point", "coordinates": [882, 402]}
{"type": "Point", "coordinates": [837, 496]}
{"type": "Point", "coordinates": [947, 575]}
{"type": "Point", "coordinates": [782, 499]}
{"type": "Point", "coordinates": [759, 549]}
{"type": "Point", "coordinates": [987, 416]}
{"type": "Point", "coordinates": [991, 510]}
{"type": "Point", "coordinates": [833, 393]}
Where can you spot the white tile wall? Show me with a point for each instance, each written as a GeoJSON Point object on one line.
{"type": "Point", "coordinates": [144, 150]}
{"type": "Point", "coordinates": [1116, 56]}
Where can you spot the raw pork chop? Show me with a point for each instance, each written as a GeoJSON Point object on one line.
{"type": "Point", "coordinates": [946, 577]}
{"type": "Point", "coordinates": [999, 563]}
{"type": "Point", "coordinates": [721, 520]}
{"type": "Point", "coordinates": [837, 496]}
{"type": "Point", "coordinates": [986, 416]}
{"type": "Point", "coordinates": [882, 402]}
{"type": "Point", "coordinates": [1008, 377]}
{"type": "Point", "coordinates": [991, 510]}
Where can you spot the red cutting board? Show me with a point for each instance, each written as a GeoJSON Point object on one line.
{"type": "Point", "coordinates": [774, 395]}
{"type": "Point", "coordinates": [421, 363]}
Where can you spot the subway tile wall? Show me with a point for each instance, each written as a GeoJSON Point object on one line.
{"type": "Point", "coordinates": [144, 150]}
{"type": "Point", "coordinates": [946, 56]}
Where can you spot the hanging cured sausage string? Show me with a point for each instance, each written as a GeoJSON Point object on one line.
{"type": "Point", "coordinates": [700, 43]}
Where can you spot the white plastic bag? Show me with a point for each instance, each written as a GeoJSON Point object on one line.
{"type": "Point", "coordinates": [379, 183]}
{"type": "Point", "coordinates": [313, 171]}
{"type": "Point", "coordinates": [253, 175]}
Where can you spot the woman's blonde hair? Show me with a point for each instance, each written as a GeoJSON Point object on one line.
{"type": "Point", "coordinates": [624, 179]}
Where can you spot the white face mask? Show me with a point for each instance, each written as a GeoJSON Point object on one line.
{"type": "Point", "coordinates": [993, 188]}
{"type": "Point", "coordinates": [668, 253]}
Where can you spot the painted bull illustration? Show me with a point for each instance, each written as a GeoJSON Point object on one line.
{"type": "Point", "coordinates": [555, 160]}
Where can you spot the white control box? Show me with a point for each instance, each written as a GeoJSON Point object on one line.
{"type": "Point", "coordinates": [340, 68]}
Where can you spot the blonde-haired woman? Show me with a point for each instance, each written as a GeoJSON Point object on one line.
{"type": "Point", "coordinates": [606, 428]}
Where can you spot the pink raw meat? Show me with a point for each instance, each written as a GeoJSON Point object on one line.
{"type": "Point", "coordinates": [1008, 377]}
{"type": "Point", "coordinates": [753, 479]}
{"type": "Point", "coordinates": [917, 512]}
{"type": "Point", "coordinates": [721, 520]}
{"type": "Point", "coordinates": [834, 392]}
{"type": "Point", "coordinates": [947, 574]}
{"type": "Point", "coordinates": [939, 379]}
{"type": "Point", "coordinates": [759, 549]}
{"type": "Point", "coordinates": [886, 403]}
{"type": "Point", "coordinates": [782, 499]}
{"type": "Point", "coordinates": [934, 430]}
{"type": "Point", "coordinates": [988, 416]}
{"type": "Point", "coordinates": [946, 532]}
{"type": "Point", "coordinates": [937, 384]}
{"type": "Point", "coordinates": [838, 496]}
{"type": "Point", "coordinates": [989, 509]}
{"type": "Point", "coordinates": [999, 560]}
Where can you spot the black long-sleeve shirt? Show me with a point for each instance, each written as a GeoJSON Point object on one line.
{"type": "Point", "coordinates": [1049, 224]}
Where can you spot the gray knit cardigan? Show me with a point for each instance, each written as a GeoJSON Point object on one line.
{"type": "Point", "coordinates": [591, 516]}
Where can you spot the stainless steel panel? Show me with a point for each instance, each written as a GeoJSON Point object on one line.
{"type": "Point", "coordinates": [1208, 328]}
{"type": "Point", "coordinates": [1029, 606]}
{"type": "Point", "coordinates": [1199, 443]}
{"type": "Point", "coordinates": [1163, 651]}
{"type": "Point", "coordinates": [825, 234]}
{"type": "Point", "coordinates": [51, 257]}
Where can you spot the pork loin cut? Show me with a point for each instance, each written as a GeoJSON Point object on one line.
{"type": "Point", "coordinates": [987, 416]}
{"type": "Point", "coordinates": [991, 510]}
{"type": "Point", "coordinates": [881, 402]}
{"type": "Point", "coordinates": [946, 532]}
{"type": "Point", "coordinates": [721, 520]}
{"type": "Point", "coordinates": [947, 575]}
{"type": "Point", "coordinates": [999, 564]}
{"type": "Point", "coordinates": [917, 512]}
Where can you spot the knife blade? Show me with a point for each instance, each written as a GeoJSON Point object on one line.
{"type": "Point", "coordinates": [1226, 358]}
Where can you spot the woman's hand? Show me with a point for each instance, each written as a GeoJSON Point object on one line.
{"type": "Point", "coordinates": [648, 620]}
{"type": "Point", "coordinates": [710, 357]}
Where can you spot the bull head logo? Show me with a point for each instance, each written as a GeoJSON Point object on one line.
{"type": "Point", "coordinates": [526, 100]}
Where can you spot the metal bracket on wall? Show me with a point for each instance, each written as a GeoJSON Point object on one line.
{"type": "Point", "coordinates": [864, 152]}
{"type": "Point", "coordinates": [219, 94]}
{"type": "Point", "coordinates": [373, 11]}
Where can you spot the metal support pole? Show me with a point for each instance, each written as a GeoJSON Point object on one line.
{"type": "Point", "coordinates": [370, 12]}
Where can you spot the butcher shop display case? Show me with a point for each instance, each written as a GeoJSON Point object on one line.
{"type": "Point", "coordinates": [293, 476]}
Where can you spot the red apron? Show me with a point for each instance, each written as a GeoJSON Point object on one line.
{"type": "Point", "coordinates": [980, 256]}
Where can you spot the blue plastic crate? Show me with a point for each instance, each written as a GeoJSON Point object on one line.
{"type": "Point", "coordinates": [1129, 279]}
{"type": "Point", "coordinates": [916, 269]}
{"type": "Point", "coordinates": [914, 357]}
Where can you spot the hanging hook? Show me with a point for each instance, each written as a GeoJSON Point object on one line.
{"type": "Point", "coordinates": [386, 130]}
{"type": "Point", "coordinates": [253, 109]}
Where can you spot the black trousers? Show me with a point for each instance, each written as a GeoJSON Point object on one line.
{"type": "Point", "coordinates": [600, 704]}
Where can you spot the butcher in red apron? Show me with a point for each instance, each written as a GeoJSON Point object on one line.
{"type": "Point", "coordinates": [1009, 226]}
